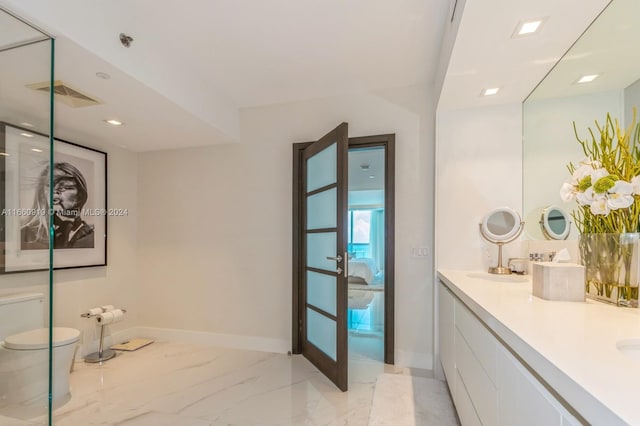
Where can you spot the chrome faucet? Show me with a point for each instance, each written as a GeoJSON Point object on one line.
{"type": "Point", "coordinates": [542, 257]}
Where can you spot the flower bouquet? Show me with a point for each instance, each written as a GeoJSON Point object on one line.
{"type": "Point", "coordinates": [606, 186]}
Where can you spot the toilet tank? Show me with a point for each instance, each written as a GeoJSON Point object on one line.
{"type": "Point", "coordinates": [21, 312]}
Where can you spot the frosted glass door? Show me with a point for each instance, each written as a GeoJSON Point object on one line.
{"type": "Point", "coordinates": [325, 240]}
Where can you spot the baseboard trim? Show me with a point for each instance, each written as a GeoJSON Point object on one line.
{"type": "Point", "coordinates": [233, 341]}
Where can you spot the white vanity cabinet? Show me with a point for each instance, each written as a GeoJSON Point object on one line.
{"type": "Point", "coordinates": [446, 329]}
{"type": "Point", "coordinates": [522, 398]}
{"type": "Point", "coordinates": [489, 385]}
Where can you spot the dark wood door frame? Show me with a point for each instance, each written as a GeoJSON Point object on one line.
{"type": "Point", "coordinates": [382, 141]}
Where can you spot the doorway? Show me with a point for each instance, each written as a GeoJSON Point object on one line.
{"type": "Point", "coordinates": [369, 290]}
{"type": "Point", "coordinates": [366, 252]}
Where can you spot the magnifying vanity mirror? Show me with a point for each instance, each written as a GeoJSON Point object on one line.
{"type": "Point", "coordinates": [555, 223]}
{"type": "Point", "coordinates": [608, 53]}
{"type": "Point", "coordinates": [501, 226]}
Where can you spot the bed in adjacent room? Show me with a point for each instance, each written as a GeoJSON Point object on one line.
{"type": "Point", "coordinates": [364, 279]}
{"type": "Point", "coordinates": [362, 270]}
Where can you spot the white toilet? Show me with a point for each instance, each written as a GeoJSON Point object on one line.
{"type": "Point", "coordinates": [24, 352]}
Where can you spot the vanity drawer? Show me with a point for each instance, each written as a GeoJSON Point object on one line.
{"type": "Point", "coordinates": [480, 388]}
{"type": "Point", "coordinates": [523, 400]}
{"type": "Point", "coordinates": [464, 406]}
{"type": "Point", "coordinates": [480, 341]}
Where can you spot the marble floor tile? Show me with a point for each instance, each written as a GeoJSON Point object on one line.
{"type": "Point", "coordinates": [11, 421]}
{"type": "Point", "coordinates": [409, 400]}
{"type": "Point", "coordinates": [168, 383]}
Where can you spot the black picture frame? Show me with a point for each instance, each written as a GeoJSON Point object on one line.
{"type": "Point", "coordinates": [79, 203]}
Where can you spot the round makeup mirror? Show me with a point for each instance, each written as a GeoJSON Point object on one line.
{"type": "Point", "coordinates": [500, 226]}
{"type": "Point", "coordinates": [555, 223]}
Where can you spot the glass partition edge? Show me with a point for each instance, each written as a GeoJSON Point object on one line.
{"type": "Point", "coordinates": [51, 229]}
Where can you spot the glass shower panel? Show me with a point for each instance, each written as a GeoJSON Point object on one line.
{"type": "Point", "coordinates": [26, 57]}
{"type": "Point", "coordinates": [16, 33]}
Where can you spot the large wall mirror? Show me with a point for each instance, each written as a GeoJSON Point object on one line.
{"type": "Point", "coordinates": [608, 50]}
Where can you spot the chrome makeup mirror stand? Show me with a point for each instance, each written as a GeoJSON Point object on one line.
{"type": "Point", "coordinates": [501, 239]}
{"type": "Point", "coordinates": [501, 270]}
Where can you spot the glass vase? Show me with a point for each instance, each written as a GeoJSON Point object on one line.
{"type": "Point", "coordinates": [612, 267]}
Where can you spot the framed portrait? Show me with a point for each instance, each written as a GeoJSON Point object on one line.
{"type": "Point", "coordinates": [78, 198]}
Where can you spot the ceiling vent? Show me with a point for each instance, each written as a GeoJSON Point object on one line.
{"type": "Point", "coordinates": [66, 94]}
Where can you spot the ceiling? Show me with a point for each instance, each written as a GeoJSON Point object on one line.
{"type": "Point", "coordinates": [366, 169]}
{"type": "Point", "coordinates": [15, 32]}
{"type": "Point", "coordinates": [152, 121]}
{"type": "Point", "coordinates": [609, 49]}
{"type": "Point", "coordinates": [194, 65]}
{"type": "Point", "coordinates": [486, 56]}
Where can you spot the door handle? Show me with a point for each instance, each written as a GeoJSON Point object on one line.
{"type": "Point", "coordinates": [338, 258]}
{"type": "Point", "coordinates": [346, 265]}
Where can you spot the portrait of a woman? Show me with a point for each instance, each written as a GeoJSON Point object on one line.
{"type": "Point", "coordinates": [69, 196]}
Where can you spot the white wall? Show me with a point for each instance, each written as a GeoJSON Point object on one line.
{"type": "Point", "coordinates": [215, 241]}
{"type": "Point", "coordinates": [76, 290]}
{"type": "Point", "coordinates": [478, 168]}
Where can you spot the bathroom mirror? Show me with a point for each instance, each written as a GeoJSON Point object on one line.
{"type": "Point", "coordinates": [555, 223]}
{"type": "Point", "coordinates": [500, 226]}
{"type": "Point", "coordinates": [606, 50]}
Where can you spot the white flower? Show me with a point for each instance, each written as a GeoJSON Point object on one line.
{"type": "Point", "coordinates": [585, 169]}
{"type": "Point", "coordinates": [600, 206]}
{"type": "Point", "coordinates": [589, 162]}
{"type": "Point", "coordinates": [619, 201]}
{"type": "Point", "coordinates": [598, 174]}
{"type": "Point", "coordinates": [611, 195]}
{"type": "Point", "coordinates": [635, 182]}
{"type": "Point", "coordinates": [622, 187]}
{"type": "Point", "coordinates": [619, 196]}
{"type": "Point", "coordinates": [568, 191]}
{"type": "Point", "coordinates": [586, 198]}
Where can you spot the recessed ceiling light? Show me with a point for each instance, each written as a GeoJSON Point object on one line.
{"type": "Point", "coordinates": [103, 75]}
{"type": "Point", "coordinates": [36, 150]}
{"type": "Point", "coordinates": [4, 154]}
{"type": "Point", "coordinates": [587, 78]}
{"type": "Point", "coordinates": [26, 135]}
{"type": "Point", "coordinates": [490, 92]}
{"type": "Point", "coordinates": [371, 177]}
{"type": "Point", "coordinates": [528, 27]}
{"type": "Point", "coordinates": [114, 122]}
{"type": "Point", "coordinates": [25, 124]}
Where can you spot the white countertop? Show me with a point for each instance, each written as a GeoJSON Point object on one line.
{"type": "Point", "coordinates": [570, 345]}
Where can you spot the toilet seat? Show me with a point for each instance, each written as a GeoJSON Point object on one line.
{"type": "Point", "coordinates": [39, 338]}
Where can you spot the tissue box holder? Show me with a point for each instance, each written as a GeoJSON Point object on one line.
{"type": "Point", "coordinates": [559, 281]}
